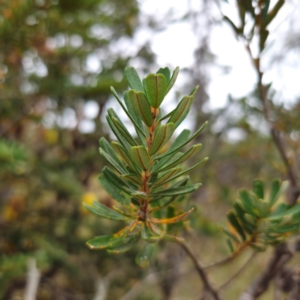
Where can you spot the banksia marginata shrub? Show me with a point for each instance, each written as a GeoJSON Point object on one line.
{"type": "Point", "coordinates": [145, 173]}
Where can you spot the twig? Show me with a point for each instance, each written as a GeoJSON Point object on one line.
{"type": "Point", "coordinates": [33, 279]}
{"type": "Point", "coordinates": [281, 255]}
{"type": "Point", "coordinates": [207, 285]}
{"type": "Point", "coordinates": [133, 292]}
{"type": "Point", "coordinates": [229, 258]}
{"type": "Point", "coordinates": [239, 271]}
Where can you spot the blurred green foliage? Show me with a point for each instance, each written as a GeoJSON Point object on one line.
{"type": "Point", "coordinates": [56, 58]}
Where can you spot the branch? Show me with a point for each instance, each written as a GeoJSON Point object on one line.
{"type": "Point", "coordinates": [239, 271]}
{"type": "Point", "coordinates": [294, 294]}
{"type": "Point", "coordinates": [229, 258]}
{"type": "Point", "coordinates": [33, 279]}
{"type": "Point", "coordinates": [207, 285]}
{"type": "Point", "coordinates": [281, 255]}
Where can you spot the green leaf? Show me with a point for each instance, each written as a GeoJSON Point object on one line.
{"type": "Point", "coordinates": [262, 39]}
{"type": "Point", "coordinates": [277, 190]}
{"type": "Point", "coordinates": [295, 209]}
{"type": "Point", "coordinates": [285, 228]}
{"type": "Point", "coordinates": [147, 234]}
{"type": "Point", "coordinates": [181, 138]}
{"type": "Point", "coordinates": [140, 157]}
{"type": "Point", "coordinates": [266, 8]}
{"type": "Point", "coordinates": [272, 14]}
{"type": "Point", "coordinates": [177, 190]}
{"type": "Point", "coordinates": [181, 158]}
{"type": "Point", "coordinates": [115, 163]}
{"type": "Point", "coordinates": [132, 178]}
{"type": "Point", "coordinates": [248, 6]}
{"type": "Point", "coordinates": [105, 145]}
{"type": "Point", "coordinates": [246, 202]}
{"type": "Point", "coordinates": [123, 153]}
{"type": "Point", "coordinates": [129, 113]}
{"type": "Point", "coordinates": [114, 191]}
{"type": "Point", "coordinates": [141, 106]}
{"type": "Point", "coordinates": [235, 223]}
{"type": "Point", "coordinates": [194, 91]}
{"type": "Point", "coordinates": [232, 25]}
{"type": "Point", "coordinates": [172, 220]}
{"type": "Point", "coordinates": [258, 188]}
{"type": "Point", "coordinates": [145, 255]}
{"type": "Point", "coordinates": [115, 179]}
{"type": "Point", "coordinates": [125, 245]}
{"type": "Point", "coordinates": [117, 133]}
{"type": "Point", "coordinates": [155, 86]}
{"type": "Point", "coordinates": [165, 176]}
{"type": "Point", "coordinates": [263, 208]}
{"type": "Point", "coordinates": [181, 141]}
{"type": "Point", "coordinates": [230, 245]}
{"type": "Point", "coordinates": [103, 211]}
{"type": "Point", "coordinates": [231, 235]}
{"type": "Point", "coordinates": [166, 72]}
{"type": "Point", "coordinates": [186, 171]}
{"type": "Point", "coordinates": [123, 131]}
{"type": "Point", "coordinates": [247, 225]}
{"type": "Point", "coordinates": [181, 111]}
{"type": "Point", "coordinates": [104, 241]}
{"type": "Point", "coordinates": [160, 164]}
{"type": "Point", "coordinates": [133, 79]}
{"type": "Point", "coordinates": [172, 80]}
{"type": "Point", "coordinates": [161, 136]}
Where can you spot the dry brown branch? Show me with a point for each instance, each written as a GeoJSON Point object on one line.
{"type": "Point", "coordinates": [208, 288]}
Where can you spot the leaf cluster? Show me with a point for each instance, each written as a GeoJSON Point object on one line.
{"type": "Point", "coordinates": [145, 173]}
{"type": "Point", "coordinates": [258, 221]}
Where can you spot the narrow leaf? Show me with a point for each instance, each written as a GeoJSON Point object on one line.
{"type": "Point", "coordinates": [172, 80]}
{"type": "Point", "coordinates": [161, 137]}
{"type": "Point", "coordinates": [277, 190]}
{"type": "Point", "coordinates": [272, 14]}
{"type": "Point", "coordinates": [172, 220]}
{"type": "Point", "coordinates": [165, 176]}
{"type": "Point", "coordinates": [132, 178]}
{"type": "Point", "coordinates": [133, 79]}
{"type": "Point", "coordinates": [166, 72]}
{"type": "Point", "coordinates": [230, 234]}
{"type": "Point", "coordinates": [117, 133]}
{"type": "Point", "coordinates": [246, 202]}
{"type": "Point", "coordinates": [103, 211]}
{"type": "Point", "coordinates": [235, 223]}
{"type": "Point", "coordinates": [182, 158]}
{"type": "Point", "coordinates": [140, 157]}
{"type": "Point", "coordinates": [186, 171]}
{"type": "Point", "coordinates": [145, 255]}
{"type": "Point", "coordinates": [122, 129]}
{"type": "Point", "coordinates": [263, 208]}
{"type": "Point", "coordinates": [258, 188]}
{"type": "Point", "coordinates": [177, 190]}
{"type": "Point", "coordinates": [114, 191]}
{"type": "Point", "coordinates": [181, 141]}
{"type": "Point", "coordinates": [156, 86]}
{"type": "Point", "coordinates": [115, 163]}
{"type": "Point", "coordinates": [141, 106]}
{"type": "Point", "coordinates": [147, 234]}
{"type": "Point", "coordinates": [114, 179]}
{"type": "Point", "coordinates": [291, 211]}
{"type": "Point", "coordinates": [137, 125]}
{"type": "Point", "coordinates": [285, 228]}
{"type": "Point", "coordinates": [181, 111]}
{"type": "Point", "coordinates": [104, 241]}
{"type": "Point", "coordinates": [123, 153]}
{"type": "Point", "coordinates": [194, 91]}
{"type": "Point", "coordinates": [125, 245]}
